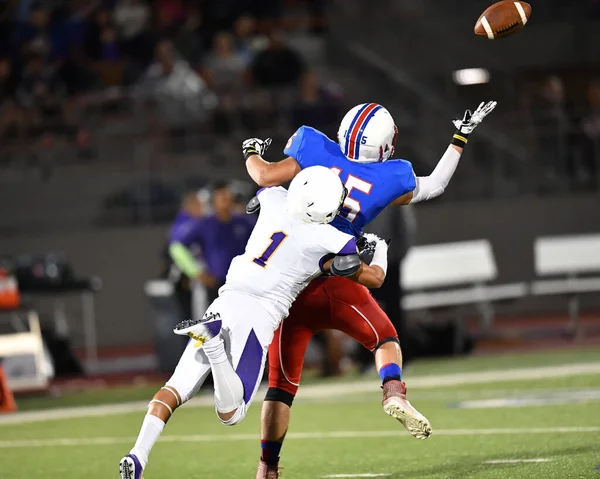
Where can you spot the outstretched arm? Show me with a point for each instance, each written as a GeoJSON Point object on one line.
{"type": "Point", "coordinates": [263, 172]}
{"type": "Point", "coordinates": [429, 187]}
{"type": "Point", "coordinates": [371, 273]}
{"type": "Point", "coordinates": [370, 276]}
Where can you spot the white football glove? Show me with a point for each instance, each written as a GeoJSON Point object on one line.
{"type": "Point", "coordinates": [471, 120]}
{"type": "Point", "coordinates": [255, 146]}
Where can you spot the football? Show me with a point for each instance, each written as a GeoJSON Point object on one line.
{"type": "Point", "coordinates": [502, 19]}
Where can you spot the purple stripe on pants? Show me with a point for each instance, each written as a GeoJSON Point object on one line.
{"type": "Point", "coordinates": [249, 366]}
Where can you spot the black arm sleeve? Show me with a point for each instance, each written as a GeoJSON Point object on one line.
{"type": "Point", "coordinates": [345, 265]}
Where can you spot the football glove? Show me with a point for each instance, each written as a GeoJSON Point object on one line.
{"type": "Point", "coordinates": [255, 146]}
{"type": "Point", "coordinates": [469, 122]}
{"type": "Point", "coordinates": [367, 244]}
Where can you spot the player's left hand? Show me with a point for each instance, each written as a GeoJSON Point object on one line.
{"type": "Point", "coordinates": [255, 146]}
{"type": "Point", "coordinates": [470, 120]}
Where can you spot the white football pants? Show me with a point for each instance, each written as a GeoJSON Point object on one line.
{"type": "Point", "coordinates": [247, 330]}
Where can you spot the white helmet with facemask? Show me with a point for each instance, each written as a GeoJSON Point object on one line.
{"type": "Point", "coordinates": [316, 195]}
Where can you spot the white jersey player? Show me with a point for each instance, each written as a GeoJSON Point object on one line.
{"type": "Point", "coordinates": [291, 244]}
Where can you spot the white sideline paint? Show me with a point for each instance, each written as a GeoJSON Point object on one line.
{"type": "Point", "coordinates": [545, 399]}
{"type": "Point", "coordinates": [358, 475]}
{"type": "Point", "coordinates": [397, 433]}
{"type": "Point", "coordinates": [323, 391]}
{"type": "Point", "coordinates": [517, 461]}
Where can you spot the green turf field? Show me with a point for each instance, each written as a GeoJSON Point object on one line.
{"type": "Point", "coordinates": [552, 422]}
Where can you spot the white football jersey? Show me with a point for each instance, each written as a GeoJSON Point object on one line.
{"type": "Point", "coordinates": [283, 254]}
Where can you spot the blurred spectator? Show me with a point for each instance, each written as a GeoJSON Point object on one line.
{"type": "Point", "coordinates": [179, 92]}
{"type": "Point", "coordinates": [42, 93]}
{"type": "Point", "coordinates": [36, 33]}
{"type": "Point", "coordinates": [11, 117]}
{"type": "Point", "coordinates": [102, 48]}
{"type": "Point", "coordinates": [100, 38]}
{"type": "Point", "coordinates": [221, 237]}
{"type": "Point", "coordinates": [244, 29]}
{"type": "Point", "coordinates": [277, 65]}
{"type": "Point", "coordinates": [132, 18]}
{"type": "Point", "coordinates": [181, 269]}
{"type": "Point", "coordinates": [224, 69]}
{"type": "Point", "coordinates": [553, 126]}
{"type": "Point", "coordinates": [188, 39]}
{"type": "Point", "coordinates": [591, 131]}
{"type": "Point", "coordinates": [170, 16]}
{"type": "Point", "coordinates": [315, 106]}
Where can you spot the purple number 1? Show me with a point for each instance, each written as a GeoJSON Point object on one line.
{"type": "Point", "coordinates": [276, 240]}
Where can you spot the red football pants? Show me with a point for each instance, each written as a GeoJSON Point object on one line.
{"type": "Point", "coordinates": [327, 303]}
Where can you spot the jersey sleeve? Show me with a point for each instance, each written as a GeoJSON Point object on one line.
{"type": "Point", "coordinates": [305, 147]}
{"type": "Point", "coordinates": [404, 177]}
{"type": "Point", "coordinates": [336, 243]}
{"type": "Point", "coordinates": [188, 232]}
{"type": "Point", "coordinates": [294, 145]}
{"type": "Point", "coordinates": [339, 243]}
{"type": "Point", "coordinates": [271, 194]}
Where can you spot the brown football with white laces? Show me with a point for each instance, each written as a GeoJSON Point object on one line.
{"type": "Point", "coordinates": [502, 19]}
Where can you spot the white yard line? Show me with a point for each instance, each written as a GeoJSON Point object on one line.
{"type": "Point", "coordinates": [517, 461]}
{"type": "Point", "coordinates": [545, 399]}
{"type": "Point", "coordinates": [400, 433]}
{"type": "Point", "coordinates": [324, 391]}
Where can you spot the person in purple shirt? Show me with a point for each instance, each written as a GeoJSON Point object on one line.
{"type": "Point", "coordinates": [204, 247]}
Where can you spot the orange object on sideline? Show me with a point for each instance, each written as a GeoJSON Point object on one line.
{"type": "Point", "coordinates": [9, 291]}
{"type": "Point", "coordinates": [7, 400]}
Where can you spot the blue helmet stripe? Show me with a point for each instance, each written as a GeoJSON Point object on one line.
{"type": "Point", "coordinates": [362, 129]}
{"type": "Point", "coordinates": [347, 145]}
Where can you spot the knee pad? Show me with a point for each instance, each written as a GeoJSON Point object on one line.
{"type": "Point", "coordinates": [240, 413]}
{"type": "Point", "coordinates": [279, 395]}
{"type": "Point", "coordinates": [389, 339]}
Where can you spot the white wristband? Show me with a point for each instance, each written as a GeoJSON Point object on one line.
{"type": "Point", "coordinates": [380, 256]}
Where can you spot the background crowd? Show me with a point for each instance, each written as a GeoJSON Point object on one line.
{"type": "Point", "coordinates": [225, 63]}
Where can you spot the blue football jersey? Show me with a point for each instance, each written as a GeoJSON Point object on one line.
{"type": "Point", "coordinates": [371, 186]}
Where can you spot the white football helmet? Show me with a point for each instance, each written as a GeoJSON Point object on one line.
{"type": "Point", "coordinates": [316, 195]}
{"type": "Point", "coordinates": [367, 134]}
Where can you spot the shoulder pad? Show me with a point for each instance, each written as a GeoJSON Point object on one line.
{"type": "Point", "coordinates": [345, 265]}
{"type": "Point", "coordinates": [253, 206]}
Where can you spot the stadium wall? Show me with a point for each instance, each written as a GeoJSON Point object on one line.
{"type": "Point", "coordinates": [126, 257]}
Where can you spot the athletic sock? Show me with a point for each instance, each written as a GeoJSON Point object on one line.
{"type": "Point", "coordinates": [270, 452]}
{"type": "Point", "coordinates": [229, 390]}
{"type": "Point", "coordinates": [390, 372]}
{"type": "Point", "coordinates": [152, 428]}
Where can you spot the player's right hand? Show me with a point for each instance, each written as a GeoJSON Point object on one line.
{"type": "Point", "coordinates": [255, 146]}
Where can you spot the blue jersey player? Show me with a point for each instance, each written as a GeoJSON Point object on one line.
{"type": "Point", "coordinates": [373, 180]}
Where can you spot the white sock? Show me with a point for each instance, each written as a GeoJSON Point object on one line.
{"type": "Point", "coordinates": [229, 390]}
{"type": "Point", "coordinates": [152, 428]}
